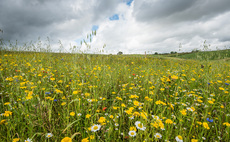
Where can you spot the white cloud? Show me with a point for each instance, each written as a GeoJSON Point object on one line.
{"type": "Point", "coordinates": [146, 25]}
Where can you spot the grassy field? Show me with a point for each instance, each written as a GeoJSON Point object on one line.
{"type": "Point", "coordinates": [53, 97]}
{"type": "Point", "coordinates": [203, 55]}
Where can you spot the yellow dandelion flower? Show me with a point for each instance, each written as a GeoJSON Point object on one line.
{"type": "Point", "coordinates": [85, 140]}
{"type": "Point", "coordinates": [168, 121]}
{"type": "Point", "coordinates": [16, 139]}
{"type": "Point", "coordinates": [72, 113]}
{"type": "Point", "coordinates": [205, 124]}
{"type": "Point", "coordinates": [66, 139]}
{"type": "Point", "coordinates": [183, 112]}
{"type": "Point", "coordinates": [88, 116]}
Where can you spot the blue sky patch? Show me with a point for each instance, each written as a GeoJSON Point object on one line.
{"type": "Point", "coordinates": [95, 27]}
{"type": "Point", "coordinates": [114, 17]}
{"type": "Point", "coordinates": [129, 2]}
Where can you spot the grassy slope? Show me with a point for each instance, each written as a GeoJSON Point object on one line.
{"type": "Point", "coordinates": [205, 55]}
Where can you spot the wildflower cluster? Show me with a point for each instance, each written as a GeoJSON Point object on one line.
{"type": "Point", "coordinates": [64, 97]}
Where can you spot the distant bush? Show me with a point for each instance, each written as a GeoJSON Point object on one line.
{"type": "Point", "coordinates": [119, 53]}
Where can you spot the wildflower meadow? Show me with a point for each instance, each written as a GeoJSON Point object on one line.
{"type": "Point", "coordinates": [60, 97]}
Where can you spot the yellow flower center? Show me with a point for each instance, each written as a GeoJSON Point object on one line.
{"type": "Point", "coordinates": [132, 133]}
{"type": "Point", "coordinates": [140, 125]}
{"type": "Point", "coordinates": [95, 127]}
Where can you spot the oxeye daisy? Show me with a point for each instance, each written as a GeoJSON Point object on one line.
{"type": "Point", "coordinates": [95, 128]}
{"type": "Point", "coordinates": [179, 138]}
{"type": "Point", "coordinates": [189, 109]}
{"type": "Point", "coordinates": [139, 125]}
{"type": "Point", "coordinates": [49, 135]}
{"type": "Point", "coordinates": [158, 135]}
{"type": "Point", "coordinates": [155, 117]}
{"type": "Point", "coordinates": [28, 140]}
{"type": "Point", "coordinates": [132, 133]}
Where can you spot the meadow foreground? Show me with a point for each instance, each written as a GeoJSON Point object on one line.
{"type": "Point", "coordinates": [77, 97]}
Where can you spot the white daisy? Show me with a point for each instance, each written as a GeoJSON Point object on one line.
{"type": "Point", "coordinates": [189, 109]}
{"type": "Point", "coordinates": [179, 139]}
{"type": "Point", "coordinates": [95, 128]}
{"type": "Point", "coordinates": [158, 135]}
{"type": "Point", "coordinates": [132, 133]}
{"type": "Point", "coordinates": [155, 117]}
{"type": "Point", "coordinates": [139, 125]}
{"type": "Point", "coordinates": [28, 140]}
{"type": "Point", "coordinates": [49, 135]}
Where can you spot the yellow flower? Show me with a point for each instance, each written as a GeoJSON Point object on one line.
{"type": "Point", "coordinates": [66, 139]}
{"type": "Point", "coordinates": [7, 103]}
{"type": "Point", "coordinates": [64, 103]}
{"type": "Point", "coordinates": [88, 116]}
{"type": "Point", "coordinates": [123, 105]}
{"type": "Point", "coordinates": [132, 128]}
{"type": "Point", "coordinates": [87, 94]}
{"type": "Point", "coordinates": [193, 108]}
{"type": "Point", "coordinates": [221, 106]}
{"type": "Point", "coordinates": [7, 113]}
{"type": "Point", "coordinates": [85, 140]}
{"type": "Point", "coordinates": [144, 115]}
{"type": "Point", "coordinates": [101, 120]}
{"type": "Point", "coordinates": [205, 124]}
{"type": "Point", "coordinates": [168, 121]}
{"type": "Point", "coordinates": [174, 77]}
{"type": "Point", "coordinates": [75, 92]}
{"type": "Point", "coordinates": [2, 121]}
{"type": "Point", "coordinates": [16, 139]}
{"type": "Point", "coordinates": [200, 123]}
{"type": "Point", "coordinates": [119, 98]}
{"type": "Point", "coordinates": [162, 89]}
{"type": "Point", "coordinates": [115, 108]}
{"type": "Point", "coordinates": [52, 79]}
{"type": "Point", "coordinates": [72, 113]}
{"type": "Point", "coordinates": [211, 102]}
{"type": "Point", "coordinates": [136, 114]}
{"type": "Point", "coordinates": [194, 140]}
{"type": "Point", "coordinates": [92, 137]}
{"type": "Point", "coordinates": [221, 88]}
{"type": "Point", "coordinates": [193, 79]}
{"type": "Point", "coordinates": [136, 103]}
{"type": "Point", "coordinates": [226, 124]}
{"type": "Point", "coordinates": [183, 112]}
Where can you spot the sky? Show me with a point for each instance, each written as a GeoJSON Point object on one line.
{"type": "Point", "coordinates": [129, 26]}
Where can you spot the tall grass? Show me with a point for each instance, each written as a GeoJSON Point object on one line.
{"type": "Point", "coordinates": [67, 94]}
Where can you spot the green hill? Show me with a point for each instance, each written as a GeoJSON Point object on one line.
{"type": "Point", "coordinates": [202, 55]}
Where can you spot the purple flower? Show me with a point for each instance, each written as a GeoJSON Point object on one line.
{"type": "Point", "coordinates": [209, 120]}
{"type": "Point", "coordinates": [55, 100]}
{"type": "Point", "coordinates": [209, 83]}
{"type": "Point", "coordinates": [47, 93]}
{"type": "Point", "coordinates": [226, 84]}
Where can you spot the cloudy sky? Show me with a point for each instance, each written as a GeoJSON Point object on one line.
{"type": "Point", "coordinates": [130, 26]}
